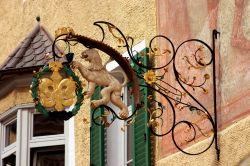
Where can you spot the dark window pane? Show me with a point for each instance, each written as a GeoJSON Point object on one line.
{"type": "Point", "coordinates": [10, 160]}
{"type": "Point", "coordinates": [129, 142]}
{"type": "Point", "coordinates": [46, 126]}
{"type": "Point", "coordinates": [10, 133]}
{"type": "Point", "coordinates": [47, 156]}
{"type": "Point", "coordinates": [129, 97]}
{"type": "Point", "coordinates": [130, 164]}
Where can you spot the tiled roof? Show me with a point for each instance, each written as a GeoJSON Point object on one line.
{"type": "Point", "coordinates": [31, 52]}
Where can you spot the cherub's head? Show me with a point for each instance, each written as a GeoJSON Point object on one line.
{"type": "Point", "coordinates": [92, 56]}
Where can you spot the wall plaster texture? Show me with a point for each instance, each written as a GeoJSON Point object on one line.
{"type": "Point", "coordinates": [234, 146]}
{"type": "Point", "coordinates": [133, 17]}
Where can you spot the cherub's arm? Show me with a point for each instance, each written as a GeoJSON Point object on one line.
{"type": "Point", "coordinates": [76, 65]}
{"type": "Point", "coordinates": [80, 67]}
{"type": "Point", "coordinates": [91, 89]}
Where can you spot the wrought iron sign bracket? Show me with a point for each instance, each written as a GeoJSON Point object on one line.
{"type": "Point", "coordinates": [181, 88]}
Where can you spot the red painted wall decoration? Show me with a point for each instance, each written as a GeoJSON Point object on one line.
{"type": "Point", "coordinates": [181, 20]}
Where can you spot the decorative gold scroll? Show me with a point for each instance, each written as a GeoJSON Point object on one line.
{"type": "Point", "coordinates": [64, 31]}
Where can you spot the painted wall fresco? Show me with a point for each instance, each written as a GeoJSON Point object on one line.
{"type": "Point", "coordinates": [181, 20]}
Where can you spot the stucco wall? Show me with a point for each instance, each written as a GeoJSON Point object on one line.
{"type": "Point", "coordinates": [234, 143]}
{"type": "Point", "coordinates": [133, 17]}
{"type": "Point", "coordinates": [15, 97]}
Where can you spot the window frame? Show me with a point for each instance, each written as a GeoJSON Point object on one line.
{"type": "Point", "coordinates": [46, 140]}
{"type": "Point", "coordinates": [46, 149]}
{"type": "Point", "coordinates": [11, 148]}
{"type": "Point", "coordinates": [23, 114]}
{"type": "Point", "coordinates": [126, 141]}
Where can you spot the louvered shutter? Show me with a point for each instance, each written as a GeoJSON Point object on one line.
{"type": "Point", "coordinates": [141, 133]}
{"type": "Point", "coordinates": [97, 137]}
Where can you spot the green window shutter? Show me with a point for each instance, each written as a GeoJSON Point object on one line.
{"type": "Point", "coordinates": [141, 133]}
{"type": "Point", "coordinates": [97, 137]}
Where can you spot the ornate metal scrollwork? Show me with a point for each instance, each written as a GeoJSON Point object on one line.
{"type": "Point", "coordinates": [181, 86]}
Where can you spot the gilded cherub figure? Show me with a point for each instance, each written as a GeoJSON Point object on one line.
{"type": "Point", "coordinates": [96, 74]}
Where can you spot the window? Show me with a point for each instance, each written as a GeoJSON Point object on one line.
{"type": "Point", "coordinates": [110, 146]}
{"type": "Point", "coordinates": [118, 143]}
{"type": "Point", "coordinates": [48, 156]}
{"type": "Point", "coordinates": [40, 126]}
{"type": "Point", "coordinates": [10, 133]}
{"type": "Point", "coordinates": [29, 138]}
